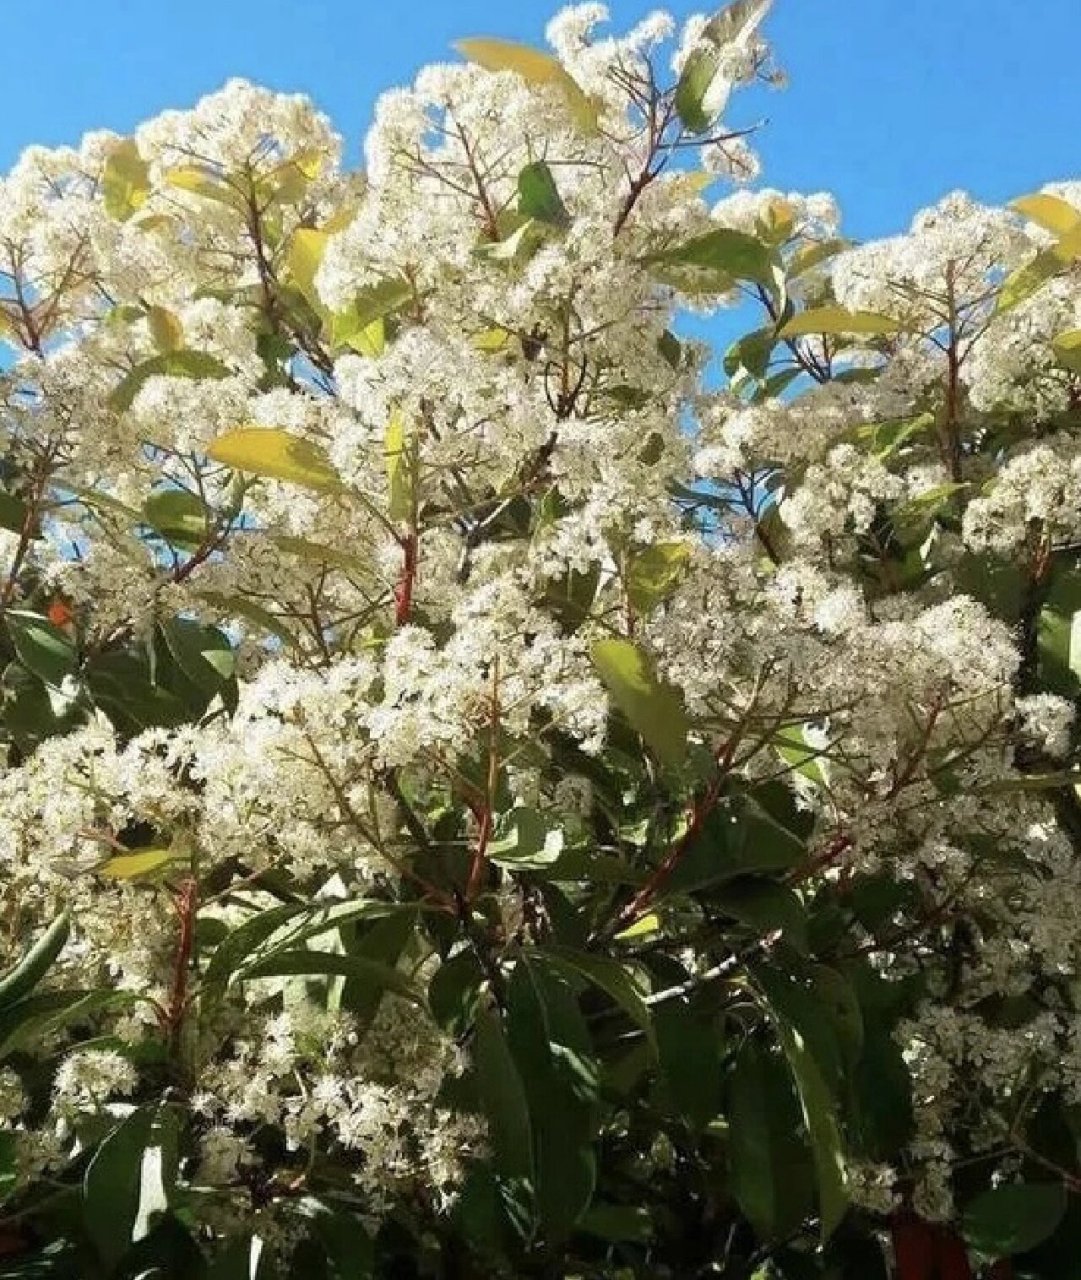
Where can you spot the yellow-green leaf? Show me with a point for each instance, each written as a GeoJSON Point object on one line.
{"type": "Point", "coordinates": [491, 340]}
{"type": "Point", "coordinates": [305, 253]}
{"type": "Point", "coordinates": [271, 452]}
{"type": "Point", "coordinates": [165, 329]}
{"type": "Point", "coordinates": [125, 181]}
{"type": "Point", "coordinates": [1050, 212]}
{"type": "Point", "coordinates": [837, 320]}
{"type": "Point", "coordinates": [654, 709]}
{"type": "Point", "coordinates": [139, 863]}
{"type": "Point", "coordinates": [203, 181]}
{"type": "Point", "coordinates": [652, 574]}
{"type": "Point", "coordinates": [1023, 283]}
{"type": "Point", "coordinates": [641, 928]}
{"type": "Point", "coordinates": [169, 364]}
{"type": "Point", "coordinates": [1067, 349]}
{"type": "Point", "coordinates": [535, 67]}
{"type": "Point", "coordinates": [399, 469]}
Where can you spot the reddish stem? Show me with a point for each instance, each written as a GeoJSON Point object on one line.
{"type": "Point", "coordinates": [403, 590]}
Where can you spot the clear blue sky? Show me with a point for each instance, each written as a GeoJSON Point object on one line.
{"type": "Point", "coordinates": [892, 102]}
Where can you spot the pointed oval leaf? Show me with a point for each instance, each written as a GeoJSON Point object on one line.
{"type": "Point", "coordinates": [1067, 349]}
{"type": "Point", "coordinates": [271, 452]}
{"type": "Point", "coordinates": [654, 708]}
{"type": "Point", "coordinates": [169, 364]}
{"type": "Point", "coordinates": [179, 516]}
{"type": "Point", "coordinates": [165, 329]}
{"type": "Point", "coordinates": [138, 863]}
{"type": "Point", "coordinates": [42, 647]}
{"type": "Point", "coordinates": [1013, 1218]}
{"type": "Point", "coordinates": [1050, 212]}
{"type": "Point", "coordinates": [28, 972]}
{"type": "Point", "coordinates": [305, 253]}
{"type": "Point", "coordinates": [538, 195]}
{"type": "Point", "coordinates": [837, 320]}
{"type": "Point", "coordinates": [535, 67]}
{"type": "Point", "coordinates": [125, 181]}
{"type": "Point", "coordinates": [399, 470]}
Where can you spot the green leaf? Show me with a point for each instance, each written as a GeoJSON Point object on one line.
{"type": "Point", "coordinates": [837, 320]}
{"type": "Point", "coordinates": [42, 648]}
{"type": "Point", "coordinates": [232, 952]}
{"type": "Point", "coordinates": [550, 1044]}
{"type": "Point", "coordinates": [36, 1019]}
{"type": "Point", "coordinates": [525, 840]}
{"type": "Point", "coordinates": [9, 1165]}
{"type": "Point", "coordinates": [1067, 349]}
{"type": "Point", "coordinates": [609, 976]}
{"type": "Point", "coordinates": [165, 329]}
{"type": "Point", "coordinates": [618, 1222]}
{"type": "Point", "coordinates": [1013, 1218]}
{"type": "Point", "coordinates": [813, 254]}
{"type": "Point", "coordinates": [535, 68]}
{"type": "Point", "coordinates": [139, 863]}
{"type": "Point", "coordinates": [765, 907]}
{"type": "Point", "coordinates": [794, 1016]}
{"type": "Point", "coordinates": [203, 653]}
{"type": "Point", "coordinates": [454, 991]}
{"type": "Point", "coordinates": [538, 195]}
{"type": "Point", "coordinates": [733, 253]}
{"type": "Point", "coordinates": [654, 709]}
{"type": "Point", "coordinates": [125, 181]}
{"type": "Point", "coordinates": [281, 964]}
{"type": "Point", "coordinates": [703, 90]}
{"type": "Point", "coordinates": [689, 1050]}
{"type": "Point", "coordinates": [739, 838]}
{"type": "Point", "coordinates": [768, 1166]}
{"type": "Point", "coordinates": [1050, 212]}
{"type": "Point", "coordinates": [111, 1186]}
{"type": "Point", "coordinates": [179, 516]}
{"type": "Point", "coordinates": [270, 452]}
{"type": "Point", "coordinates": [503, 1097]}
{"type": "Point", "coordinates": [352, 327]}
{"type": "Point", "coordinates": [399, 458]}
{"type": "Point", "coordinates": [702, 93]}
{"type": "Point", "coordinates": [17, 981]}
{"type": "Point", "coordinates": [652, 574]}
{"type": "Point", "coordinates": [238, 606]}
{"type": "Point", "coordinates": [1025, 280]}
{"type": "Point", "coordinates": [1058, 635]}
{"type": "Point", "coordinates": [303, 257]}
{"type": "Point", "coordinates": [13, 512]}
{"type": "Point", "coordinates": [168, 364]}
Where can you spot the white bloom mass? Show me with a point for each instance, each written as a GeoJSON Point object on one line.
{"type": "Point", "coordinates": [436, 708]}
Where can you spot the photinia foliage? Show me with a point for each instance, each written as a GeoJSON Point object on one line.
{"type": "Point", "coordinates": [493, 787]}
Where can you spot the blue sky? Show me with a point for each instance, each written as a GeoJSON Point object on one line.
{"type": "Point", "coordinates": [892, 102]}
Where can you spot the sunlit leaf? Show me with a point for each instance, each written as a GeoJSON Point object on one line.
{"type": "Point", "coordinates": [271, 452]}
{"type": "Point", "coordinates": [139, 863]}
{"type": "Point", "coordinates": [125, 181]}
{"type": "Point", "coordinates": [535, 67]}
{"type": "Point", "coordinates": [654, 708]}
{"type": "Point", "coordinates": [837, 320]}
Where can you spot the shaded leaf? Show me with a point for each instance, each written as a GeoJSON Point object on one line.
{"type": "Point", "coordinates": [654, 709]}
{"type": "Point", "coordinates": [1013, 1218]}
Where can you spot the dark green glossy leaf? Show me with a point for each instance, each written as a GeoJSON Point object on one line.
{"type": "Point", "coordinates": [1013, 1218]}
{"type": "Point", "coordinates": [111, 1186]}
{"type": "Point", "coordinates": [42, 647]}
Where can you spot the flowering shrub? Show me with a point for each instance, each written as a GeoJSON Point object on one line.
{"type": "Point", "coordinates": [482, 797]}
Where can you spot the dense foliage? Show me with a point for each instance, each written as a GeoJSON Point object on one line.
{"type": "Point", "coordinates": [487, 793]}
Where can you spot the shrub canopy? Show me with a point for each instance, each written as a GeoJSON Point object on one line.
{"type": "Point", "coordinates": [490, 789]}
